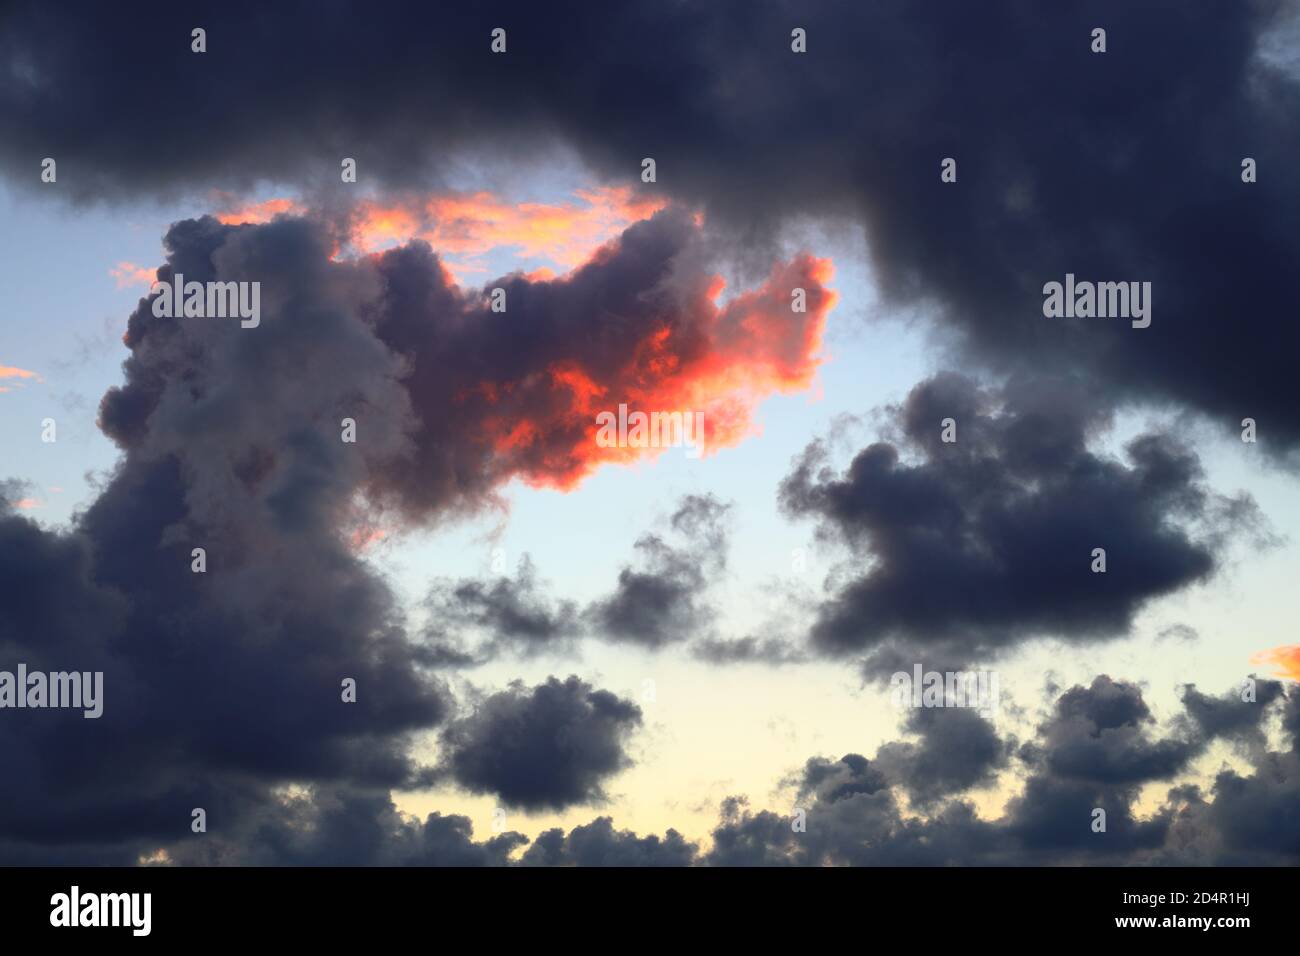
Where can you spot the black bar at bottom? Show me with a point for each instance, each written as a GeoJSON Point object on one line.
{"type": "Point", "coordinates": [618, 907]}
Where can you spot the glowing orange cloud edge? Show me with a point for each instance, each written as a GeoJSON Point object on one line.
{"type": "Point", "coordinates": [758, 347]}
{"type": "Point", "coordinates": [756, 344]}
{"type": "Point", "coordinates": [1285, 660]}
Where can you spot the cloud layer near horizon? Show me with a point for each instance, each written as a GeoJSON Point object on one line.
{"type": "Point", "coordinates": [1097, 747]}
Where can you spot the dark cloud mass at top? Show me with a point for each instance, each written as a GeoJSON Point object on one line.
{"type": "Point", "coordinates": [1117, 167]}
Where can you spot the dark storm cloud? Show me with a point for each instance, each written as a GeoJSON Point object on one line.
{"type": "Point", "coordinates": [977, 544]}
{"type": "Point", "coordinates": [224, 684]}
{"type": "Point", "coordinates": [1095, 750]}
{"type": "Point", "coordinates": [1117, 166]}
{"type": "Point", "coordinates": [662, 601]}
{"type": "Point", "coordinates": [599, 844]}
{"type": "Point", "coordinates": [1245, 819]}
{"type": "Point", "coordinates": [1250, 820]}
{"type": "Point", "coordinates": [1230, 716]}
{"type": "Point", "coordinates": [334, 826]}
{"type": "Point", "coordinates": [231, 440]}
{"type": "Point", "coordinates": [834, 780]}
{"type": "Point", "coordinates": [854, 809]}
{"type": "Point", "coordinates": [48, 585]}
{"type": "Point", "coordinates": [550, 747]}
{"type": "Point", "coordinates": [218, 686]}
{"type": "Point", "coordinates": [959, 750]}
{"type": "Point", "coordinates": [864, 830]}
{"type": "Point", "coordinates": [1101, 745]}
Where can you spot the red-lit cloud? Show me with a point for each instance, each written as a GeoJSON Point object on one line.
{"type": "Point", "coordinates": [259, 212]}
{"type": "Point", "coordinates": [721, 361]}
{"type": "Point", "coordinates": [1284, 660]}
{"type": "Point", "coordinates": [637, 319]}
{"type": "Point", "coordinates": [642, 323]}
{"type": "Point", "coordinates": [17, 376]}
{"type": "Point", "coordinates": [463, 227]}
{"type": "Point", "coordinates": [128, 274]}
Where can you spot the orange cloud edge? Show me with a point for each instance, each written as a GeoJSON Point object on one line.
{"type": "Point", "coordinates": [757, 345]}
{"type": "Point", "coordinates": [1284, 660]}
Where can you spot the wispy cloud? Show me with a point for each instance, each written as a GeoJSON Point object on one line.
{"type": "Point", "coordinates": [128, 274]}
{"type": "Point", "coordinates": [15, 377]}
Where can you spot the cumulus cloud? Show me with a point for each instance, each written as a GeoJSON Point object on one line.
{"type": "Point", "coordinates": [231, 442]}
{"type": "Point", "coordinates": [599, 844]}
{"type": "Point", "coordinates": [958, 750]}
{"type": "Point", "coordinates": [220, 685]}
{"type": "Point", "coordinates": [966, 547]}
{"type": "Point", "coordinates": [662, 601]}
{"type": "Point", "coordinates": [1098, 746]}
{"type": "Point", "coordinates": [335, 826]}
{"type": "Point", "coordinates": [224, 686]}
{"type": "Point", "coordinates": [550, 747]}
{"type": "Point", "coordinates": [452, 399]}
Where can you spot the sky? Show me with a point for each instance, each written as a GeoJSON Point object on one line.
{"type": "Point", "coordinates": [563, 653]}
